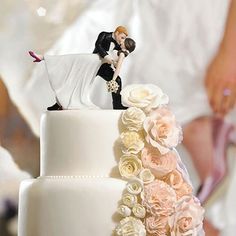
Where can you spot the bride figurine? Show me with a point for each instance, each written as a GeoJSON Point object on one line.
{"type": "Point", "coordinates": [72, 76]}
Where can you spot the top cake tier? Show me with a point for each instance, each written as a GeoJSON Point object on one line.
{"type": "Point", "coordinates": [79, 143]}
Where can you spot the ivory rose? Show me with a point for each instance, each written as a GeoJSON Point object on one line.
{"type": "Point", "coordinates": [144, 96]}
{"type": "Point", "coordinates": [124, 210]}
{"type": "Point", "coordinates": [146, 176]}
{"type": "Point", "coordinates": [162, 130]}
{"type": "Point", "coordinates": [134, 186]}
{"type": "Point", "coordinates": [160, 165]}
{"type": "Point", "coordinates": [187, 218]}
{"type": "Point", "coordinates": [139, 211]}
{"type": "Point", "coordinates": [130, 226]}
{"type": "Point", "coordinates": [133, 118]}
{"type": "Point", "coordinates": [129, 166]}
{"type": "Point", "coordinates": [129, 199]}
{"type": "Point", "coordinates": [132, 142]}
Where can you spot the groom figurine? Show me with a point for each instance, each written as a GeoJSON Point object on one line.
{"type": "Point", "coordinates": [105, 42]}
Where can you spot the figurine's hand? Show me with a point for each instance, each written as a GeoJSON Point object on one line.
{"type": "Point", "coordinates": [114, 64]}
{"type": "Point", "coordinates": [108, 59]}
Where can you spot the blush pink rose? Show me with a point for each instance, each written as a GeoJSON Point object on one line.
{"type": "Point", "coordinates": [186, 189]}
{"type": "Point", "coordinates": [160, 165]}
{"type": "Point", "coordinates": [188, 217]}
{"type": "Point", "coordinates": [162, 130]}
{"type": "Point", "coordinates": [158, 198]}
{"type": "Point", "coordinates": [176, 181]}
{"type": "Point", "coordinates": [157, 225]}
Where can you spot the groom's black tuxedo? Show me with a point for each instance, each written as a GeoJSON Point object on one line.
{"type": "Point", "coordinates": [105, 71]}
{"type": "Point", "coordinates": [103, 43]}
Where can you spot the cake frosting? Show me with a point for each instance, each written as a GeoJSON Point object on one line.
{"type": "Point", "coordinates": [59, 206]}
{"type": "Point", "coordinates": [79, 142]}
{"type": "Point", "coordinates": [78, 191]}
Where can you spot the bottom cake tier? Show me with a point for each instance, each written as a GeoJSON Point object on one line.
{"type": "Point", "coordinates": [69, 206]}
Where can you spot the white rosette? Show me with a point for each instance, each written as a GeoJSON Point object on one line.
{"type": "Point", "coordinates": [133, 118]}
{"type": "Point", "coordinates": [144, 96]}
{"type": "Point", "coordinates": [134, 186]}
{"type": "Point", "coordinates": [130, 226]}
{"type": "Point", "coordinates": [129, 166]}
{"type": "Point", "coordinates": [139, 211]}
{"type": "Point", "coordinates": [129, 199]}
{"type": "Point", "coordinates": [146, 176]}
{"type": "Point", "coordinates": [124, 210]}
{"type": "Point", "coordinates": [132, 142]}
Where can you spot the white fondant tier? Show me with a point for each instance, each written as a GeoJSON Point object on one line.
{"type": "Point", "coordinates": [80, 142]}
{"type": "Point", "coordinates": [59, 206]}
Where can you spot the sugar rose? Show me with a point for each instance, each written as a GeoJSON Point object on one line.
{"type": "Point", "coordinates": [176, 181]}
{"type": "Point", "coordinates": [157, 225]}
{"type": "Point", "coordinates": [162, 130]}
{"type": "Point", "coordinates": [139, 211]}
{"type": "Point", "coordinates": [160, 165]}
{"type": "Point", "coordinates": [159, 198]}
{"type": "Point", "coordinates": [132, 142]}
{"type": "Point", "coordinates": [186, 189]}
{"type": "Point", "coordinates": [146, 176]}
{"type": "Point", "coordinates": [130, 226]}
{"type": "Point", "coordinates": [124, 210]}
{"type": "Point", "coordinates": [129, 199]}
{"type": "Point", "coordinates": [133, 118]}
{"type": "Point", "coordinates": [144, 96]}
{"type": "Point", "coordinates": [187, 218]}
{"type": "Point", "coordinates": [129, 166]}
{"type": "Point", "coordinates": [134, 186]}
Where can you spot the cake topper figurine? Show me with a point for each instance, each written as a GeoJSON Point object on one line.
{"type": "Point", "coordinates": [71, 76]}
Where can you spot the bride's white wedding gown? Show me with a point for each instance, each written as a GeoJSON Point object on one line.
{"type": "Point", "coordinates": [73, 79]}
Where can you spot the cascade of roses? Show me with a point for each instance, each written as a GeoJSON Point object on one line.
{"type": "Point", "coordinates": [157, 200]}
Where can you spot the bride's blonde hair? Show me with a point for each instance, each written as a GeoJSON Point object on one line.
{"type": "Point", "coordinates": [121, 29]}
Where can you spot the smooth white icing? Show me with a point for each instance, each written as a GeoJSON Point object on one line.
{"type": "Point", "coordinates": [69, 206]}
{"type": "Point", "coordinates": [75, 194]}
{"type": "Point", "coordinates": [80, 142]}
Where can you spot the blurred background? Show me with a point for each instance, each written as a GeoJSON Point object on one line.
{"type": "Point", "coordinates": [176, 43]}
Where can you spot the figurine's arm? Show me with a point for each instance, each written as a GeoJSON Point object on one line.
{"type": "Point", "coordinates": [118, 66]}
{"type": "Point", "coordinates": [101, 51]}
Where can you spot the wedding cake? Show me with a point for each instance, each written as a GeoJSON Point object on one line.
{"type": "Point", "coordinates": [111, 172]}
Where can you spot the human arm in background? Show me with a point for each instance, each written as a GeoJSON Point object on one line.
{"type": "Point", "coordinates": [220, 80]}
